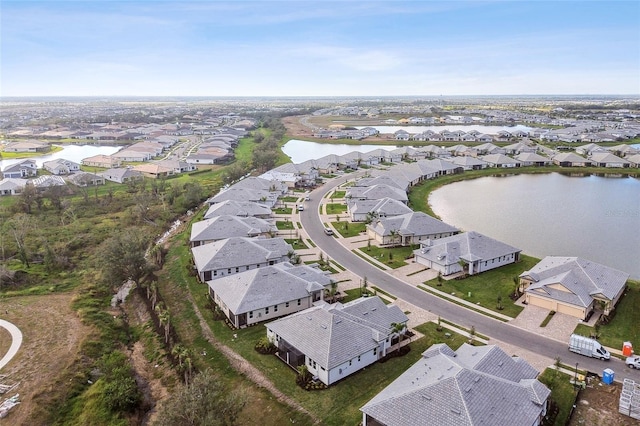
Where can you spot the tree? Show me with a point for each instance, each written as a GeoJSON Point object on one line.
{"type": "Point", "coordinates": [516, 282]}
{"type": "Point", "coordinates": [122, 257]}
{"type": "Point", "coordinates": [398, 328]}
{"type": "Point", "coordinates": [20, 226]}
{"type": "Point", "coordinates": [205, 401]}
{"type": "Point", "coordinates": [28, 196]}
{"type": "Point", "coordinates": [439, 279]}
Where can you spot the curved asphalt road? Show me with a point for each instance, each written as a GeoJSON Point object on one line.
{"type": "Point", "coordinates": [16, 342]}
{"type": "Point", "coordinates": [505, 332]}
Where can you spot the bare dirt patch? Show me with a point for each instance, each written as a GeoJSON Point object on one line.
{"type": "Point", "coordinates": [598, 405]}
{"type": "Point", "coordinates": [52, 333]}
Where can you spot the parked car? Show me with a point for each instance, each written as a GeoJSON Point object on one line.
{"type": "Point", "coordinates": [328, 231]}
{"type": "Point", "coordinates": [300, 207]}
{"type": "Point", "coordinates": [588, 347]}
{"type": "Point", "coordinates": [633, 361]}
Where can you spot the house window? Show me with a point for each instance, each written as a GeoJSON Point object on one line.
{"type": "Point", "coordinates": [286, 305]}
{"type": "Point", "coordinates": [314, 365]}
{"type": "Point", "coordinates": [271, 262]}
{"type": "Point", "coordinates": [298, 302]}
{"type": "Point", "coordinates": [229, 271]}
{"type": "Point", "coordinates": [375, 351]}
{"type": "Point", "coordinates": [237, 269]}
{"type": "Point", "coordinates": [266, 310]}
{"type": "Point", "coordinates": [350, 363]}
{"type": "Point", "coordinates": [251, 314]}
{"type": "Point", "coordinates": [358, 358]}
{"type": "Point", "coordinates": [215, 273]}
{"type": "Point", "coordinates": [247, 268]}
{"type": "Point", "coordinates": [275, 308]}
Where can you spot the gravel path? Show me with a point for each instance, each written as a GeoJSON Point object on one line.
{"type": "Point", "coordinates": [245, 367]}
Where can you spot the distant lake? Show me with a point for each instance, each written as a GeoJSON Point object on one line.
{"type": "Point", "coordinates": [489, 130]}
{"type": "Point", "coordinates": [301, 151]}
{"type": "Point", "coordinates": [75, 153]}
{"type": "Point", "coordinates": [596, 218]}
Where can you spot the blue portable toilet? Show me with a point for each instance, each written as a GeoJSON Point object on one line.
{"type": "Point", "coordinates": [607, 376]}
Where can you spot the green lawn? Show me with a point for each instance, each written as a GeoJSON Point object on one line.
{"type": "Point", "coordinates": [282, 210]}
{"type": "Point", "coordinates": [562, 393]}
{"type": "Point", "coordinates": [289, 199]}
{"type": "Point", "coordinates": [284, 225]}
{"type": "Point", "coordinates": [348, 229]}
{"type": "Point", "coordinates": [393, 257]}
{"type": "Point", "coordinates": [340, 404]}
{"type": "Point", "coordinates": [296, 243]}
{"type": "Point", "coordinates": [487, 286]}
{"type": "Point", "coordinates": [624, 325]}
{"type": "Point", "coordinates": [336, 208]}
{"type": "Point", "coordinates": [338, 194]}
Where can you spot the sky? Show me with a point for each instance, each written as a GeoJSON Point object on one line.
{"type": "Point", "coordinates": [318, 48]}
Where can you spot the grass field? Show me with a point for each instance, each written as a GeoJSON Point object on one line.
{"type": "Point", "coordinates": [487, 286]}
{"type": "Point", "coordinates": [393, 257]}
{"type": "Point", "coordinates": [349, 229]}
{"type": "Point", "coordinates": [335, 208]}
{"type": "Point", "coordinates": [562, 393]}
{"type": "Point", "coordinates": [624, 325]}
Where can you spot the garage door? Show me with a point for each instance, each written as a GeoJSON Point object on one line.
{"type": "Point", "coordinates": [543, 303]}
{"type": "Point", "coordinates": [570, 310]}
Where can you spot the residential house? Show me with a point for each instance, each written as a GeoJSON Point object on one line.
{"type": "Point", "coordinates": [263, 294]}
{"type": "Point", "coordinates": [60, 166]}
{"type": "Point", "coordinates": [47, 181]}
{"type": "Point", "coordinates": [23, 169]}
{"type": "Point", "coordinates": [408, 229]}
{"type": "Point", "coordinates": [103, 161]}
{"type": "Point", "coordinates": [13, 186]}
{"type": "Point", "coordinates": [132, 156]}
{"type": "Point", "coordinates": [623, 150]}
{"type": "Point", "coordinates": [443, 167]}
{"type": "Point", "coordinates": [471, 252]}
{"type": "Point", "coordinates": [176, 165]}
{"type": "Point", "coordinates": [384, 179]}
{"type": "Point", "coordinates": [607, 159]}
{"type": "Point", "coordinates": [261, 184]}
{"type": "Point", "coordinates": [489, 148]}
{"type": "Point", "coordinates": [468, 163]}
{"type": "Point", "coordinates": [634, 160]}
{"type": "Point", "coordinates": [121, 175]}
{"type": "Point", "coordinates": [238, 254]}
{"type": "Point", "coordinates": [259, 196]}
{"type": "Point", "coordinates": [474, 385]}
{"type": "Point", "coordinates": [368, 210]}
{"type": "Point", "coordinates": [27, 146]}
{"type": "Point", "coordinates": [238, 208]}
{"type": "Point", "coordinates": [589, 149]}
{"type": "Point", "coordinates": [532, 159]}
{"type": "Point", "coordinates": [86, 179]}
{"type": "Point", "coordinates": [518, 148]}
{"type": "Point", "coordinates": [227, 226]}
{"type": "Point", "coordinates": [154, 171]}
{"type": "Point", "coordinates": [376, 192]}
{"type": "Point", "coordinates": [570, 159]}
{"type": "Point", "coordinates": [573, 286]}
{"type": "Point", "coordinates": [500, 161]}
{"type": "Point", "coordinates": [335, 341]}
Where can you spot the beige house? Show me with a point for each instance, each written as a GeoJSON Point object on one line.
{"type": "Point", "coordinates": [573, 286]}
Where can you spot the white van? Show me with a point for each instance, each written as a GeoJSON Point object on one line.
{"type": "Point", "coordinates": [588, 347]}
{"type": "Point", "coordinates": [300, 207]}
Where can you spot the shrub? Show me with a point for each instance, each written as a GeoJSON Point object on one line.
{"type": "Point", "coordinates": [265, 346]}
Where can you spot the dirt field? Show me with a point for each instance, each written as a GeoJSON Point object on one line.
{"type": "Point", "coordinates": [51, 337]}
{"type": "Point", "coordinates": [598, 405]}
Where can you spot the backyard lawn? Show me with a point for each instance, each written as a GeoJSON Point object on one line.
{"type": "Point", "coordinates": [284, 225]}
{"type": "Point", "coordinates": [624, 325]}
{"type": "Point", "coordinates": [336, 208]}
{"type": "Point", "coordinates": [562, 392]}
{"type": "Point", "coordinates": [393, 257]}
{"type": "Point", "coordinates": [349, 229]}
{"type": "Point", "coordinates": [297, 243]}
{"type": "Point", "coordinates": [340, 404]}
{"type": "Point", "coordinates": [487, 286]}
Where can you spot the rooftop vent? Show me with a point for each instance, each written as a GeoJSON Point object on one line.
{"type": "Point", "coordinates": [456, 411]}
{"type": "Point", "coordinates": [427, 397]}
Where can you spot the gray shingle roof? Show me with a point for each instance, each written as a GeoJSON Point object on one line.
{"type": "Point", "coordinates": [237, 208]}
{"type": "Point", "coordinates": [383, 207]}
{"type": "Point", "coordinates": [415, 223]}
{"type": "Point", "coordinates": [441, 390]}
{"type": "Point", "coordinates": [268, 286]}
{"type": "Point", "coordinates": [470, 246]}
{"type": "Point", "coordinates": [228, 226]}
{"type": "Point", "coordinates": [377, 192]}
{"type": "Point", "coordinates": [583, 278]}
{"type": "Point", "coordinates": [334, 334]}
{"type": "Point", "coordinates": [239, 251]}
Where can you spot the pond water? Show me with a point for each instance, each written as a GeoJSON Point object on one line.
{"type": "Point", "coordinates": [75, 153]}
{"type": "Point", "coordinates": [596, 218]}
{"type": "Point", "coordinates": [489, 130]}
{"type": "Point", "coordinates": [300, 151]}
